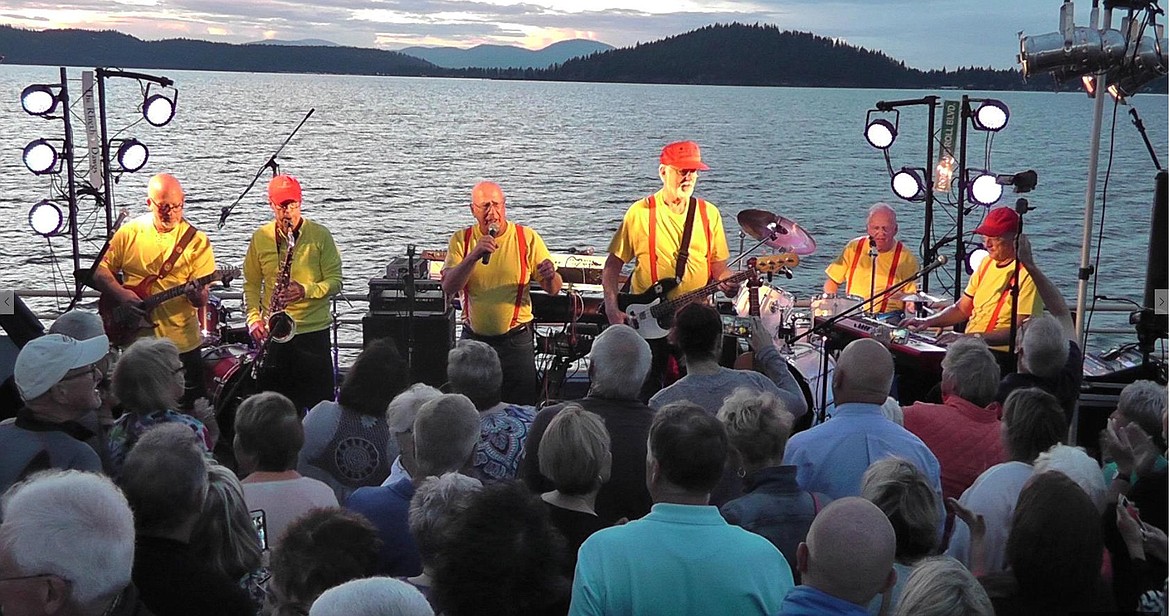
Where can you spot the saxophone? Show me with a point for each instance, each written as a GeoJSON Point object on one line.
{"type": "Point", "coordinates": [281, 326]}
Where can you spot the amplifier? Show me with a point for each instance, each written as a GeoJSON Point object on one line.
{"type": "Point", "coordinates": [390, 296]}
{"type": "Point", "coordinates": [433, 336]}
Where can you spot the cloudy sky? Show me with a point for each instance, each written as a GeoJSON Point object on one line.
{"type": "Point", "coordinates": [923, 33]}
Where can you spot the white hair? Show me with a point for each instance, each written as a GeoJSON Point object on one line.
{"type": "Point", "coordinates": [892, 410]}
{"type": "Point", "coordinates": [78, 324]}
{"type": "Point", "coordinates": [75, 525]}
{"type": "Point", "coordinates": [881, 206]}
{"type": "Point", "coordinates": [971, 371]}
{"type": "Point", "coordinates": [436, 503]}
{"type": "Point", "coordinates": [618, 363]}
{"type": "Point", "coordinates": [1077, 465]}
{"type": "Point", "coordinates": [942, 586]}
{"type": "Point", "coordinates": [402, 410]}
{"type": "Point", "coordinates": [1045, 347]}
{"type": "Point", "coordinates": [376, 596]}
{"type": "Point", "coordinates": [1144, 403]}
{"type": "Point", "coordinates": [473, 369]}
{"type": "Point", "coordinates": [446, 431]}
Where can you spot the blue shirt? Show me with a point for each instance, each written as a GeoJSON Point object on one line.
{"type": "Point", "coordinates": [808, 601]}
{"type": "Point", "coordinates": [679, 560]}
{"type": "Point", "coordinates": [387, 508]}
{"type": "Point", "coordinates": [832, 457]}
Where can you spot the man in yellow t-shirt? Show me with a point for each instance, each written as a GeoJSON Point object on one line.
{"type": "Point", "coordinates": [986, 304]}
{"type": "Point", "coordinates": [489, 265]}
{"type": "Point", "coordinates": [139, 249]}
{"type": "Point", "coordinates": [301, 368]}
{"type": "Point", "coordinates": [651, 232]}
{"type": "Point", "coordinates": [855, 267]}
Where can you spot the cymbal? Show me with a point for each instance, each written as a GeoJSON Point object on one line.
{"type": "Point", "coordinates": [776, 231]}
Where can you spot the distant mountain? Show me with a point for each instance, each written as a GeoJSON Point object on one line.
{"type": "Point", "coordinates": [506, 56]}
{"type": "Point", "coordinates": [109, 48]}
{"type": "Point", "coordinates": [296, 43]}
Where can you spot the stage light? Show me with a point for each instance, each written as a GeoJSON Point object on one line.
{"type": "Point", "coordinates": [157, 108]}
{"type": "Point", "coordinates": [132, 155]}
{"type": "Point", "coordinates": [46, 219]}
{"type": "Point", "coordinates": [1088, 51]}
{"type": "Point", "coordinates": [1022, 182]}
{"type": "Point", "coordinates": [908, 184]}
{"type": "Point", "coordinates": [880, 133]}
{"type": "Point", "coordinates": [992, 115]}
{"type": "Point", "coordinates": [40, 157]}
{"type": "Point", "coordinates": [974, 257]}
{"type": "Point", "coordinates": [984, 189]}
{"type": "Point", "coordinates": [40, 99]}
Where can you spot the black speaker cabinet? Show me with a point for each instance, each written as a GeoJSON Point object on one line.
{"type": "Point", "coordinates": [434, 335]}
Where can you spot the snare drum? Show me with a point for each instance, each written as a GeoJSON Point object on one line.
{"type": "Point", "coordinates": [775, 305]}
{"type": "Point", "coordinates": [831, 304]}
{"type": "Point", "coordinates": [209, 319]}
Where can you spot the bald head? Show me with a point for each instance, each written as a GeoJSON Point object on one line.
{"type": "Point", "coordinates": [849, 551]}
{"type": "Point", "coordinates": [164, 188]}
{"type": "Point", "coordinates": [882, 226]}
{"type": "Point", "coordinates": [487, 205]}
{"type": "Point", "coordinates": [865, 372]}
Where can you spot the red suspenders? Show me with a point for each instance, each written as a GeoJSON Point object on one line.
{"type": "Point", "coordinates": [522, 239]}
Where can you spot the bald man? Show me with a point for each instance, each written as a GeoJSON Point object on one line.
{"type": "Point", "coordinates": [489, 266]}
{"type": "Point", "coordinates": [845, 561]}
{"type": "Point", "coordinates": [140, 249]}
{"type": "Point", "coordinates": [832, 457]}
{"type": "Point", "coordinates": [894, 262]}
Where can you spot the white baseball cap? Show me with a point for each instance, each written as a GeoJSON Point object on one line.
{"type": "Point", "coordinates": [44, 361]}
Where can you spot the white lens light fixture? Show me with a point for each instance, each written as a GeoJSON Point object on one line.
{"type": "Point", "coordinates": [984, 190]}
{"type": "Point", "coordinates": [992, 115]}
{"type": "Point", "coordinates": [132, 155]}
{"type": "Point", "coordinates": [975, 257]}
{"type": "Point", "coordinates": [908, 184]}
{"type": "Point", "coordinates": [39, 99]}
{"type": "Point", "coordinates": [880, 132]}
{"type": "Point", "coordinates": [40, 157]}
{"type": "Point", "coordinates": [46, 219]}
{"type": "Point", "coordinates": [157, 108]}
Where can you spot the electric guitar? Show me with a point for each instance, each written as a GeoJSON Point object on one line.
{"type": "Point", "coordinates": [123, 325]}
{"type": "Point", "coordinates": [651, 314]}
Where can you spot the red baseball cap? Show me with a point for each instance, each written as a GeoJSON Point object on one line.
{"type": "Point", "coordinates": [682, 155]}
{"type": "Point", "coordinates": [284, 188]}
{"type": "Point", "coordinates": [999, 221]}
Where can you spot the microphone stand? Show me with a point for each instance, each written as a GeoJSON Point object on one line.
{"type": "Point", "coordinates": [873, 256]}
{"type": "Point", "coordinates": [84, 278]}
{"type": "Point", "coordinates": [1021, 209]}
{"type": "Point", "coordinates": [776, 232]}
{"type": "Point", "coordinates": [408, 290]}
{"type": "Point", "coordinates": [226, 210]}
{"type": "Point", "coordinates": [824, 327]}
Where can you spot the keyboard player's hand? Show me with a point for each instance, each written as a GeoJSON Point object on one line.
{"type": "Point", "coordinates": [913, 323]}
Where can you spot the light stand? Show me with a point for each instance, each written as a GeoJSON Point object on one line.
{"type": "Point", "coordinates": [1021, 209]}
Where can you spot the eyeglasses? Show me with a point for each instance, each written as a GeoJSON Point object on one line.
{"type": "Point", "coordinates": [486, 205]}
{"type": "Point", "coordinates": [167, 207]}
{"type": "Point", "coordinates": [686, 172]}
{"type": "Point", "coordinates": [89, 371]}
{"type": "Point", "coordinates": [288, 205]}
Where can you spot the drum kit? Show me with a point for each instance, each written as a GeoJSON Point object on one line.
{"type": "Point", "coordinates": [227, 353]}
{"type": "Point", "coordinates": [787, 319]}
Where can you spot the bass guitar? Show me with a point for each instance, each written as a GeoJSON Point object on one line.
{"type": "Point", "coordinates": [651, 314]}
{"type": "Point", "coordinates": [123, 323]}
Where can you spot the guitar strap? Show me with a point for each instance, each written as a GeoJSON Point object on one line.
{"type": "Point", "coordinates": [680, 265]}
{"type": "Point", "coordinates": [180, 246]}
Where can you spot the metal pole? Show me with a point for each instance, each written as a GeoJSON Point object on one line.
{"type": "Point", "coordinates": [964, 113]}
{"type": "Point", "coordinates": [1084, 272]}
{"type": "Point", "coordinates": [928, 215]}
{"type": "Point", "coordinates": [107, 187]}
{"type": "Point", "coordinates": [70, 182]}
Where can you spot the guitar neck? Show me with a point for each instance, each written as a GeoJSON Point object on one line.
{"type": "Point", "coordinates": [174, 292]}
{"type": "Point", "coordinates": [669, 306]}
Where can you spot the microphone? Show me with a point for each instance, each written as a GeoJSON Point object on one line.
{"type": "Point", "coordinates": [492, 231]}
{"type": "Point", "coordinates": [937, 263]}
{"type": "Point", "coordinates": [223, 214]}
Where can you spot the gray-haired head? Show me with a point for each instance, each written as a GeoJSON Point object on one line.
{"type": "Point", "coordinates": [436, 504]}
{"type": "Point", "coordinates": [473, 369]}
{"type": "Point", "coordinates": [942, 586]}
{"type": "Point", "coordinates": [446, 431]}
{"type": "Point", "coordinates": [376, 596]}
{"type": "Point", "coordinates": [1045, 349]}
{"type": "Point", "coordinates": [1077, 465]}
{"type": "Point", "coordinates": [165, 478]}
{"type": "Point", "coordinates": [619, 363]}
{"type": "Point", "coordinates": [72, 525]}
{"type": "Point", "coordinates": [1144, 403]}
{"type": "Point", "coordinates": [970, 371]}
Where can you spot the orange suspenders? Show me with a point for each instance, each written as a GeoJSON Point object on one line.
{"type": "Point", "coordinates": [521, 237]}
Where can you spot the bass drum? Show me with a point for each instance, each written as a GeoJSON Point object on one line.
{"type": "Point", "coordinates": [775, 306]}
{"type": "Point", "coordinates": [805, 361]}
{"type": "Point", "coordinates": [229, 382]}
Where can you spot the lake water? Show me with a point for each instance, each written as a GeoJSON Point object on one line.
{"type": "Point", "coordinates": [387, 161]}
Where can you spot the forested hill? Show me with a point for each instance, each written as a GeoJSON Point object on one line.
{"type": "Point", "coordinates": [109, 48]}
{"type": "Point", "coordinates": [763, 55]}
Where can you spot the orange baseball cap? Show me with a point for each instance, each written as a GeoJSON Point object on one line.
{"type": "Point", "coordinates": [999, 221]}
{"type": "Point", "coordinates": [682, 155]}
{"type": "Point", "coordinates": [284, 188]}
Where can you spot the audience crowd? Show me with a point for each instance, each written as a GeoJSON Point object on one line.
{"type": "Point", "coordinates": [401, 499]}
